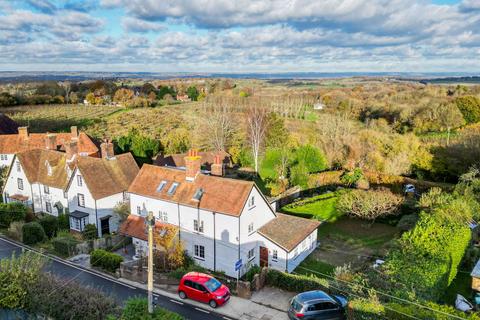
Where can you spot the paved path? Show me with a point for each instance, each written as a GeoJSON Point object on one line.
{"type": "Point", "coordinates": [119, 290]}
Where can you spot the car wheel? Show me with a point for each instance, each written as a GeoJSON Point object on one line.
{"type": "Point", "coordinates": [213, 304]}
{"type": "Point", "coordinates": [182, 295]}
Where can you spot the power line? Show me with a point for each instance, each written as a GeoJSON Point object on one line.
{"type": "Point", "coordinates": [383, 293]}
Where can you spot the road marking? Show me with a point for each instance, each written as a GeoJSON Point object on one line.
{"type": "Point", "coordinates": [205, 311]}
{"type": "Point", "coordinates": [177, 302]}
{"type": "Point", "coordinates": [68, 264]}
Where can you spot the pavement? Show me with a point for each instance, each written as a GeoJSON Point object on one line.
{"type": "Point", "coordinates": [273, 298]}
{"type": "Point", "coordinates": [122, 289]}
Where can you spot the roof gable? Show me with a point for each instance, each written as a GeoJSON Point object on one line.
{"type": "Point", "coordinates": [219, 194]}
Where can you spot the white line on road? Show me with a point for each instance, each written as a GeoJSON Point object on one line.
{"type": "Point", "coordinates": [177, 302]}
{"type": "Point", "coordinates": [68, 264]}
{"type": "Point", "coordinates": [205, 311]}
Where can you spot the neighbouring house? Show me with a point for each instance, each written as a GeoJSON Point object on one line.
{"type": "Point", "coordinates": [10, 144]}
{"type": "Point", "coordinates": [220, 220]}
{"type": "Point", "coordinates": [208, 159]}
{"type": "Point", "coordinates": [183, 98]}
{"type": "Point", "coordinates": [97, 186]}
{"type": "Point", "coordinates": [38, 178]}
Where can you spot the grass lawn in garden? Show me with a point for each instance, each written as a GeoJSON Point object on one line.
{"type": "Point", "coordinates": [312, 265]}
{"type": "Point", "coordinates": [460, 285]}
{"type": "Point", "coordinates": [322, 207]}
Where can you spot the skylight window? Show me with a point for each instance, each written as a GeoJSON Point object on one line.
{"type": "Point", "coordinates": [161, 185]}
{"type": "Point", "coordinates": [173, 188]}
{"type": "Point", "coordinates": [198, 194]}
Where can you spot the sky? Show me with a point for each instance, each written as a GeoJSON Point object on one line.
{"type": "Point", "coordinates": [240, 35]}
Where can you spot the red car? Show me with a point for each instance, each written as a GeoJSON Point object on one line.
{"type": "Point", "coordinates": [203, 288]}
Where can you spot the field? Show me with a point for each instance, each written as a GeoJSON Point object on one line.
{"type": "Point", "coordinates": [59, 117]}
{"type": "Point", "coordinates": [321, 207]}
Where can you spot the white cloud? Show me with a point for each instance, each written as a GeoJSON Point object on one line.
{"type": "Point", "coordinates": [137, 25]}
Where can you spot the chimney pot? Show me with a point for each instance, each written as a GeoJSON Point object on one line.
{"type": "Point", "coordinates": [51, 141]}
{"type": "Point", "coordinates": [193, 164]}
{"type": "Point", "coordinates": [106, 149]}
{"type": "Point", "coordinates": [74, 131]}
{"type": "Point", "coordinates": [23, 132]}
{"type": "Point", "coordinates": [217, 166]}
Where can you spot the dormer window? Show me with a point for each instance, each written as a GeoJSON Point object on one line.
{"type": "Point", "coordinates": [161, 186]}
{"type": "Point", "coordinates": [198, 194]}
{"type": "Point", "coordinates": [173, 188]}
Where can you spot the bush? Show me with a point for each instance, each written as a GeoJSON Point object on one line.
{"type": "Point", "coordinates": [52, 298]}
{"type": "Point", "coordinates": [350, 178]}
{"type": "Point", "coordinates": [50, 225]}
{"type": "Point", "coordinates": [15, 230]}
{"type": "Point", "coordinates": [296, 283]}
{"type": "Point", "coordinates": [251, 272]}
{"type": "Point", "coordinates": [469, 106]}
{"type": "Point", "coordinates": [90, 232]}
{"type": "Point", "coordinates": [407, 222]}
{"type": "Point", "coordinates": [105, 260]}
{"type": "Point", "coordinates": [13, 211]}
{"type": "Point", "coordinates": [63, 222]}
{"type": "Point", "coordinates": [65, 246]}
{"type": "Point", "coordinates": [137, 309]}
{"type": "Point", "coordinates": [33, 233]}
{"type": "Point", "coordinates": [365, 309]}
{"type": "Point", "coordinates": [409, 311]}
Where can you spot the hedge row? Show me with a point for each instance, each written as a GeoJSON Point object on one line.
{"type": "Point", "coordinates": [297, 283]}
{"type": "Point", "coordinates": [137, 309]}
{"type": "Point", "coordinates": [10, 212]}
{"type": "Point", "coordinates": [64, 246]}
{"type": "Point", "coordinates": [105, 260]}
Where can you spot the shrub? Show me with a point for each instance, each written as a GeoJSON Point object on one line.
{"type": "Point", "coordinates": [350, 178]}
{"type": "Point", "coordinates": [365, 309]}
{"type": "Point", "coordinates": [33, 233]}
{"type": "Point", "coordinates": [15, 230]}
{"type": "Point", "coordinates": [50, 225]}
{"type": "Point", "coordinates": [409, 311]}
{"type": "Point", "coordinates": [296, 283]}
{"type": "Point", "coordinates": [137, 309]}
{"type": "Point", "coordinates": [407, 222]}
{"type": "Point", "coordinates": [90, 232]}
{"type": "Point", "coordinates": [469, 106]}
{"type": "Point", "coordinates": [63, 222]}
{"type": "Point", "coordinates": [311, 157]}
{"type": "Point", "coordinates": [13, 211]}
{"type": "Point", "coordinates": [251, 272]}
{"type": "Point", "coordinates": [64, 246]}
{"type": "Point", "coordinates": [369, 205]}
{"type": "Point", "coordinates": [105, 260]}
{"type": "Point", "coordinates": [52, 298]}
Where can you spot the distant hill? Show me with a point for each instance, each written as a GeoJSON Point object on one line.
{"type": "Point", "coordinates": [7, 125]}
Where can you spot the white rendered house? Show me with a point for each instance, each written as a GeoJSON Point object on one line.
{"type": "Point", "coordinates": [97, 186]}
{"type": "Point", "coordinates": [220, 220]}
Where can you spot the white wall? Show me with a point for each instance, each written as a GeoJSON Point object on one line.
{"type": "Point", "coordinates": [6, 162]}
{"type": "Point", "coordinates": [55, 195]}
{"type": "Point", "coordinates": [105, 207]}
{"type": "Point", "coordinates": [281, 262]}
{"type": "Point", "coordinates": [11, 185]}
{"type": "Point", "coordinates": [304, 249]}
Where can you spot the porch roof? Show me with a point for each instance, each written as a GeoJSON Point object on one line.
{"type": "Point", "coordinates": [135, 227]}
{"type": "Point", "coordinates": [78, 214]}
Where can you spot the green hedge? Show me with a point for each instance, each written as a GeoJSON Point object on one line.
{"type": "Point", "coordinates": [409, 311]}
{"type": "Point", "coordinates": [33, 233]}
{"type": "Point", "coordinates": [10, 212]}
{"type": "Point", "coordinates": [105, 260]}
{"type": "Point", "coordinates": [297, 283]}
{"type": "Point", "coordinates": [365, 309]}
{"type": "Point", "coordinates": [63, 222]}
{"type": "Point", "coordinates": [64, 246]}
{"type": "Point", "coordinates": [137, 309]}
{"type": "Point", "coordinates": [90, 232]}
{"type": "Point", "coordinates": [50, 225]}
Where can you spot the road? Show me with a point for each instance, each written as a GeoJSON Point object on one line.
{"type": "Point", "coordinates": [118, 290]}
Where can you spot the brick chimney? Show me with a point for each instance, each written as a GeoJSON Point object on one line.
{"type": "Point", "coordinates": [106, 149]}
{"type": "Point", "coordinates": [217, 166]}
{"type": "Point", "coordinates": [192, 165]}
{"type": "Point", "coordinates": [71, 148]}
{"type": "Point", "coordinates": [23, 132]}
{"type": "Point", "coordinates": [51, 141]}
{"type": "Point", "coordinates": [74, 131]}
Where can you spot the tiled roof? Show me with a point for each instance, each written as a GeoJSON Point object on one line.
{"type": "Point", "coordinates": [222, 195]}
{"type": "Point", "coordinates": [105, 177]}
{"type": "Point", "coordinates": [7, 125]}
{"type": "Point", "coordinates": [14, 143]}
{"type": "Point", "coordinates": [178, 160]}
{"type": "Point", "coordinates": [135, 227]}
{"type": "Point", "coordinates": [35, 164]}
{"type": "Point", "coordinates": [288, 231]}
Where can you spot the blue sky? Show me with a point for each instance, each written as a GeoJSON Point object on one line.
{"type": "Point", "coordinates": [240, 35]}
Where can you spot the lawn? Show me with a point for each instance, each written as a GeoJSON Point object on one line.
{"type": "Point", "coordinates": [322, 207]}
{"type": "Point", "coordinates": [316, 265]}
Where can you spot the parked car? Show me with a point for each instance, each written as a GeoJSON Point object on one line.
{"type": "Point", "coordinates": [203, 288]}
{"type": "Point", "coordinates": [317, 305]}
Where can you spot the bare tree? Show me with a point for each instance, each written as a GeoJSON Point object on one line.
{"type": "Point", "coordinates": [256, 130]}
{"type": "Point", "coordinates": [67, 87]}
{"type": "Point", "coordinates": [217, 127]}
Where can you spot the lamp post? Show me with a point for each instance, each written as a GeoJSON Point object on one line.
{"type": "Point", "coordinates": [150, 225]}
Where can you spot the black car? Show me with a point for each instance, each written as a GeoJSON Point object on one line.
{"type": "Point", "coordinates": [317, 305]}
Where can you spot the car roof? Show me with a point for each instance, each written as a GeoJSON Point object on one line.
{"type": "Point", "coordinates": [197, 277]}
{"type": "Point", "coordinates": [313, 295]}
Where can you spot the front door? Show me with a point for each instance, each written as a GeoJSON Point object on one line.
{"type": "Point", "coordinates": [263, 257]}
{"type": "Point", "coordinates": [105, 226]}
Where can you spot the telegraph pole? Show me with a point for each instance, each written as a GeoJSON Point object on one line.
{"type": "Point", "coordinates": [150, 224]}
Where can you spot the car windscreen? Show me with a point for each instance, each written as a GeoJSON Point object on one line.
{"type": "Point", "coordinates": [297, 306]}
{"type": "Point", "coordinates": [212, 284]}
